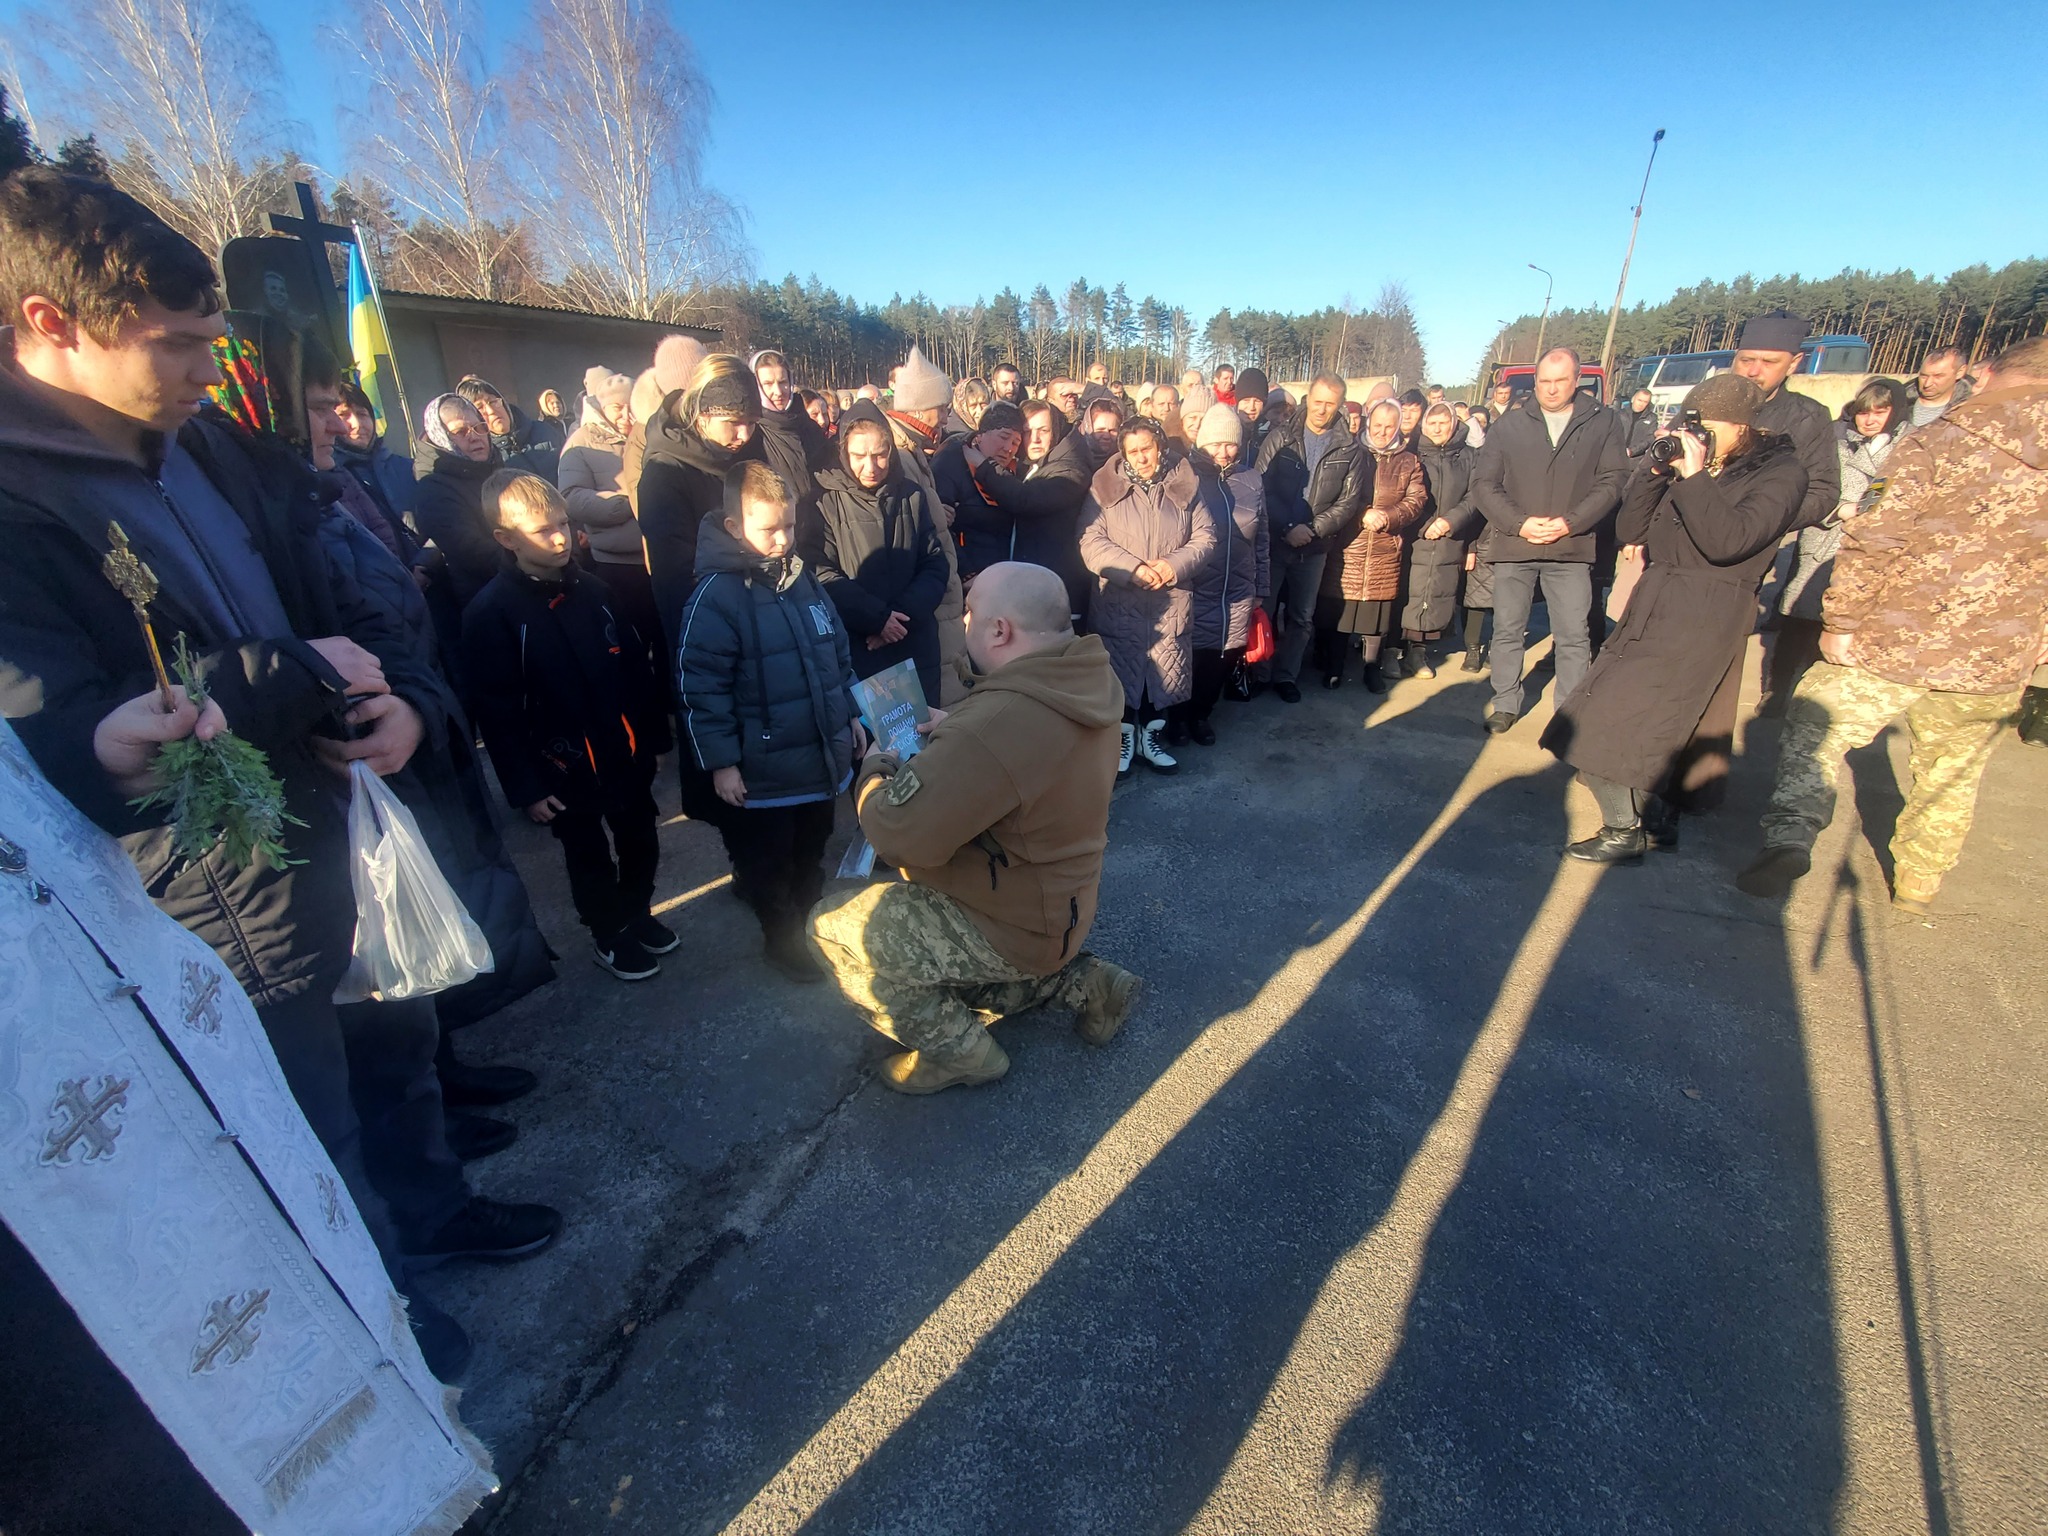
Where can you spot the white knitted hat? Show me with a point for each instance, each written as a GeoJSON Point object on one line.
{"type": "Point", "coordinates": [921, 385]}
{"type": "Point", "coordinates": [1220, 424]}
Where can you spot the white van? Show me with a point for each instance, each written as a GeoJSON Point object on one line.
{"type": "Point", "coordinates": [1668, 375]}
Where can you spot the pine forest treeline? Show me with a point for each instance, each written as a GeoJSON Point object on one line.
{"type": "Point", "coordinates": [1903, 314]}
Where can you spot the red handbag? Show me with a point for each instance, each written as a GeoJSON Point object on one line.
{"type": "Point", "coordinates": [1259, 647]}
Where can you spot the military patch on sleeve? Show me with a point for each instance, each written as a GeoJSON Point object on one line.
{"type": "Point", "coordinates": [1872, 495]}
{"type": "Point", "coordinates": [903, 783]}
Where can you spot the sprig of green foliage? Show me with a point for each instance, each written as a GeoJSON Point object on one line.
{"type": "Point", "coordinates": [221, 792]}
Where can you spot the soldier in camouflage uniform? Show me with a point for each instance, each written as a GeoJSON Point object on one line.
{"type": "Point", "coordinates": [1938, 611]}
{"type": "Point", "coordinates": [998, 826]}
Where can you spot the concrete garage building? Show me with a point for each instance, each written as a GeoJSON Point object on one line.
{"type": "Point", "coordinates": [521, 348]}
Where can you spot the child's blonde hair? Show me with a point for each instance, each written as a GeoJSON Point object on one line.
{"type": "Point", "coordinates": [522, 490]}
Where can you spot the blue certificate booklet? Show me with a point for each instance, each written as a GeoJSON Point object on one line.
{"type": "Point", "coordinates": [892, 707]}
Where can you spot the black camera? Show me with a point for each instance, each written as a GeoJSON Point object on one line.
{"type": "Point", "coordinates": [1668, 450]}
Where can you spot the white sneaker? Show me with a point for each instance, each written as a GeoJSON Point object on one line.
{"type": "Point", "coordinates": [1153, 750]}
{"type": "Point", "coordinates": [1123, 762]}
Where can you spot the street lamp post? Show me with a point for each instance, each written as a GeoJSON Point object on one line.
{"type": "Point", "coordinates": [1545, 321]}
{"type": "Point", "coordinates": [1614, 314]}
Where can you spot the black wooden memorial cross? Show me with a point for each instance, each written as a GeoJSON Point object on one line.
{"type": "Point", "coordinates": [317, 236]}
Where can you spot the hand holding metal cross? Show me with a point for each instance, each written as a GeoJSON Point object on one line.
{"type": "Point", "coordinates": [135, 581]}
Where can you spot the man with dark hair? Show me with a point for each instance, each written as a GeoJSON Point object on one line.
{"type": "Point", "coordinates": [1007, 383]}
{"type": "Point", "coordinates": [1316, 481]}
{"type": "Point", "coordinates": [1066, 394]}
{"type": "Point", "coordinates": [114, 317]}
{"type": "Point", "coordinates": [1550, 475]}
{"type": "Point", "coordinates": [521, 442]}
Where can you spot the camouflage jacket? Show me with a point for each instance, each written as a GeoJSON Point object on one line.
{"type": "Point", "coordinates": [1944, 580]}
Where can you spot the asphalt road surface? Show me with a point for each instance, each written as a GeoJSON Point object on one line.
{"type": "Point", "coordinates": [1437, 1187]}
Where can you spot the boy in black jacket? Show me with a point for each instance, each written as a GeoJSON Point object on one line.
{"type": "Point", "coordinates": [573, 718]}
{"type": "Point", "coordinates": [762, 672]}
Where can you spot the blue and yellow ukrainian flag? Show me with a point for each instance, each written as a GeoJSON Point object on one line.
{"type": "Point", "coordinates": [367, 339]}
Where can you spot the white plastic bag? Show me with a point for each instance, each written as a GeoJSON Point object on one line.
{"type": "Point", "coordinates": [413, 935]}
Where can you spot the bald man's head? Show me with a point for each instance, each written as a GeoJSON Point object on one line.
{"type": "Point", "coordinates": [1013, 610]}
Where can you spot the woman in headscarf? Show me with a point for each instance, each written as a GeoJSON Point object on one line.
{"type": "Point", "coordinates": [1436, 556]}
{"type": "Point", "coordinates": [453, 459]}
{"type": "Point", "coordinates": [1864, 436]}
{"type": "Point", "coordinates": [1237, 581]}
{"type": "Point", "coordinates": [876, 552]}
{"type": "Point", "coordinates": [699, 433]}
{"type": "Point", "coordinates": [970, 398]}
{"type": "Point", "coordinates": [592, 464]}
{"type": "Point", "coordinates": [1362, 579]}
{"type": "Point", "coordinates": [1146, 533]}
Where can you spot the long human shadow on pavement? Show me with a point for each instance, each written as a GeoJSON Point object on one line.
{"type": "Point", "coordinates": [1218, 879]}
{"type": "Point", "coordinates": [1115, 1394]}
{"type": "Point", "coordinates": [1624, 1320]}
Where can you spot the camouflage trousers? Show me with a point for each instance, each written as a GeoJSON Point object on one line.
{"type": "Point", "coordinates": [1838, 709]}
{"type": "Point", "coordinates": [914, 962]}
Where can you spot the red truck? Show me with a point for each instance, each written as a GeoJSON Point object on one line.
{"type": "Point", "coordinates": [1521, 379]}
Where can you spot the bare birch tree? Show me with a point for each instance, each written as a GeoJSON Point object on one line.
{"type": "Point", "coordinates": [615, 113]}
{"type": "Point", "coordinates": [431, 126]}
{"type": "Point", "coordinates": [188, 91]}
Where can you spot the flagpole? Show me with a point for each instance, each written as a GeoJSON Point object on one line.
{"type": "Point", "coordinates": [377, 299]}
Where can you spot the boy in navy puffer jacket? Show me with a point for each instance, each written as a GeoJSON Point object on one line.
{"type": "Point", "coordinates": [763, 671]}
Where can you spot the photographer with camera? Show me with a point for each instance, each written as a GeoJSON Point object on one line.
{"type": "Point", "coordinates": [1708, 503]}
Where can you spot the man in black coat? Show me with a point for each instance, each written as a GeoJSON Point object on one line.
{"type": "Point", "coordinates": [1316, 481]}
{"type": "Point", "coordinates": [1765, 354]}
{"type": "Point", "coordinates": [114, 316]}
{"type": "Point", "coordinates": [1550, 475]}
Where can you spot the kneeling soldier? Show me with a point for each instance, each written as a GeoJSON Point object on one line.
{"type": "Point", "coordinates": [998, 826]}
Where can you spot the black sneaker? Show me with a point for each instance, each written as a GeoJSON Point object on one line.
{"type": "Point", "coordinates": [1202, 733]}
{"type": "Point", "coordinates": [625, 959]}
{"type": "Point", "coordinates": [1475, 661]}
{"type": "Point", "coordinates": [487, 1229]}
{"type": "Point", "coordinates": [1289, 693]}
{"type": "Point", "coordinates": [476, 1087]}
{"type": "Point", "coordinates": [475, 1137]}
{"type": "Point", "coordinates": [1500, 722]}
{"type": "Point", "coordinates": [443, 1343]}
{"type": "Point", "coordinates": [657, 938]}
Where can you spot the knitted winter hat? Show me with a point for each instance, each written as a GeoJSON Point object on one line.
{"type": "Point", "coordinates": [1727, 397]}
{"type": "Point", "coordinates": [675, 360]}
{"type": "Point", "coordinates": [1252, 381]}
{"type": "Point", "coordinates": [600, 383]}
{"type": "Point", "coordinates": [647, 396]}
{"type": "Point", "coordinates": [921, 385]}
{"type": "Point", "coordinates": [1198, 398]}
{"type": "Point", "coordinates": [1220, 424]}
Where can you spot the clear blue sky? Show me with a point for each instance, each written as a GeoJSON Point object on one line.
{"type": "Point", "coordinates": [1275, 157]}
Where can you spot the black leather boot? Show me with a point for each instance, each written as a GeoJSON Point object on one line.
{"type": "Point", "coordinates": [1611, 845]}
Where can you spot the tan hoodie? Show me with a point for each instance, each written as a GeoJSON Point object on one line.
{"type": "Point", "coordinates": [1006, 810]}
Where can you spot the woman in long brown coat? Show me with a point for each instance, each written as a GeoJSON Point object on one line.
{"type": "Point", "coordinates": [1146, 533]}
{"type": "Point", "coordinates": [1362, 580]}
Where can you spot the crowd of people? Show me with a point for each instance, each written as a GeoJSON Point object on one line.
{"type": "Point", "coordinates": [699, 560]}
